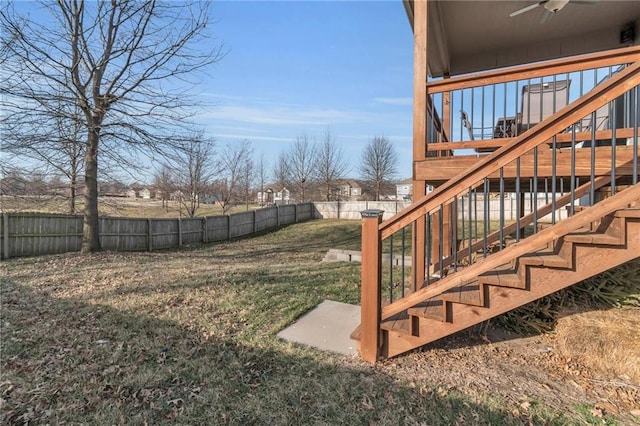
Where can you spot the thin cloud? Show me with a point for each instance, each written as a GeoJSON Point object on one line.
{"type": "Point", "coordinates": [252, 137]}
{"type": "Point", "coordinates": [274, 115]}
{"type": "Point", "coordinates": [399, 101]}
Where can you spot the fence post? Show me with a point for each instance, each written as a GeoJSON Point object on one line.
{"type": "Point", "coordinates": [255, 223]}
{"type": "Point", "coordinates": [5, 235]}
{"type": "Point", "coordinates": [149, 235]}
{"type": "Point", "coordinates": [295, 213]}
{"type": "Point", "coordinates": [228, 227]}
{"type": "Point", "coordinates": [179, 232]}
{"type": "Point", "coordinates": [205, 237]}
{"type": "Point", "coordinates": [277, 216]}
{"type": "Point", "coordinates": [370, 311]}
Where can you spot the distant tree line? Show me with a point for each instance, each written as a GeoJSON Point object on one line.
{"type": "Point", "coordinates": [315, 169]}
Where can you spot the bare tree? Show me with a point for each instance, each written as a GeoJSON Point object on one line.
{"type": "Point", "coordinates": [124, 64]}
{"type": "Point", "coordinates": [232, 161]}
{"type": "Point", "coordinates": [193, 168]}
{"type": "Point", "coordinates": [281, 170]}
{"type": "Point", "coordinates": [246, 178]}
{"type": "Point", "coordinates": [262, 177]}
{"type": "Point", "coordinates": [379, 163]}
{"type": "Point", "coordinates": [330, 165]}
{"type": "Point", "coordinates": [165, 185]}
{"type": "Point", "coordinates": [300, 162]}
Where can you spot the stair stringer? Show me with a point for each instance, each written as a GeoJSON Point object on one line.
{"type": "Point", "coordinates": [590, 260]}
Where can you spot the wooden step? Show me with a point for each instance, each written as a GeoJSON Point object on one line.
{"type": "Point", "coordinates": [631, 213]}
{"type": "Point", "coordinates": [547, 260]}
{"type": "Point", "coordinates": [468, 294]}
{"type": "Point", "coordinates": [505, 278]}
{"type": "Point", "coordinates": [400, 323]}
{"type": "Point", "coordinates": [431, 309]}
{"type": "Point", "coordinates": [593, 238]}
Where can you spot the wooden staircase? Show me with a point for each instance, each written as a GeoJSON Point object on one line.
{"type": "Point", "coordinates": [590, 241]}
{"type": "Point", "coordinates": [566, 261]}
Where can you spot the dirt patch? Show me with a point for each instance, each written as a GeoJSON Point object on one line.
{"type": "Point", "coordinates": [522, 370]}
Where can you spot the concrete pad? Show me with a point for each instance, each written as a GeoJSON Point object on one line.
{"type": "Point", "coordinates": [326, 327]}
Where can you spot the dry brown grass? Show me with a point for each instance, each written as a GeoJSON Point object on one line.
{"type": "Point", "coordinates": [114, 207]}
{"type": "Point", "coordinates": [189, 337]}
{"type": "Point", "coordinates": [606, 341]}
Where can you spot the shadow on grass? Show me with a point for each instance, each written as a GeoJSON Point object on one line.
{"type": "Point", "coordinates": [65, 360]}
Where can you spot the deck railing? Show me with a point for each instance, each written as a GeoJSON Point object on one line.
{"type": "Point", "coordinates": [459, 235]}
{"type": "Point", "coordinates": [482, 112]}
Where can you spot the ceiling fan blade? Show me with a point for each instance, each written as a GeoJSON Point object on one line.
{"type": "Point", "coordinates": [526, 9]}
{"type": "Point", "coordinates": [546, 16]}
{"type": "Point", "coordinates": [589, 2]}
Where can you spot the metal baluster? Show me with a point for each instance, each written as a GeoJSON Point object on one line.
{"type": "Point", "coordinates": [614, 143]}
{"type": "Point", "coordinates": [475, 206]}
{"type": "Point", "coordinates": [493, 110]}
{"type": "Point", "coordinates": [534, 200]}
{"type": "Point", "coordinates": [429, 250]}
{"type": "Point", "coordinates": [441, 241]}
{"type": "Point", "coordinates": [391, 268]}
{"type": "Point", "coordinates": [462, 108]}
{"type": "Point", "coordinates": [482, 113]}
{"type": "Point", "coordinates": [453, 242]}
{"type": "Point", "coordinates": [487, 216]}
{"type": "Point", "coordinates": [470, 227]}
{"type": "Point", "coordinates": [500, 246]}
{"type": "Point", "coordinates": [592, 192]}
{"type": "Point", "coordinates": [504, 111]}
{"type": "Point", "coordinates": [515, 108]}
{"type": "Point", "coordinates": [573, 170]}
{"type": "Point", "coordinates": [553, 180]}
{"type": "Point", "coordinates": [635, 114]}
{"type": "Point", "coordinates": [404, 235]}
{"type": "Point", "coordinates": [519, 205]}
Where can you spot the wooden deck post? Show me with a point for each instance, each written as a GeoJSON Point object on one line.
{"type": "Point", "coordinates": [420, 146]}
{"type": "Point", "coordinates": [370, 299]}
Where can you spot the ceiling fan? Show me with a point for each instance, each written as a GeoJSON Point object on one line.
{"type": "Point", "coordinates": [551, 7]}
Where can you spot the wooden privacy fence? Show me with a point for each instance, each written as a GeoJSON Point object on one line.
{"type": "Point", "coordinates": [33, 234]}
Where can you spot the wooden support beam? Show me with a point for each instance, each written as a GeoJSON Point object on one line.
{"type": "Point", "coordinates": [445, 168]}
{"type": "Point", "coordinates": [420, 142]}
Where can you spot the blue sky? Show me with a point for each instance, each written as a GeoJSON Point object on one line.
{"type": "Point", "coordinates": [296, 67]}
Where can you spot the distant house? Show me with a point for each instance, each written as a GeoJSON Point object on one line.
{"type": "Point", "coordinates": [177, 196]}
{"type": "Point", "coordinates": [131, 193]}
{"type": "Point", "coordinates": [350, 190]}
{"type": "Point", "coordinates": [404, 190]}
{"type": "Point", "coordinates": [147, 194]}
{"type": "Point", "coordinates": [271, 197]}
{"type": "Point", "coordinates": [211, 199]}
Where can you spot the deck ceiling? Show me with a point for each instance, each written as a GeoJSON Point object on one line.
{"type": "Point", "coordinates": [471, 36]}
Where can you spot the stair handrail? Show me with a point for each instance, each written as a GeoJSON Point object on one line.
{"type": "Point", "coordinates": [540, 239]}
{"type": "Point", "coordinates": [536, 136]}
{"type": "Point", "coordinates": [528, 219]}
